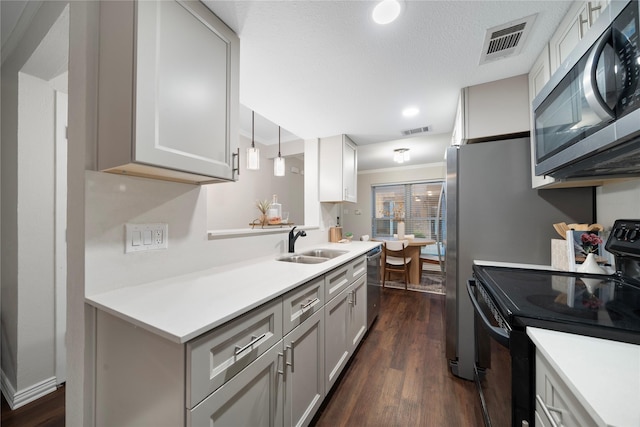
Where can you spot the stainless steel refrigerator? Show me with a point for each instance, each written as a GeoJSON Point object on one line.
{"type": "Point", "coordinates": [493, 214]}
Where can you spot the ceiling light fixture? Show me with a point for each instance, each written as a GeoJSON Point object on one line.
{"type": "Point", "coordinates": [278, 162]}
{"type": "Point", "coordinates": [401, 155]}
{"type": "Point", "coordinates": [253, 154]}
{"type": "Point", "coordinates": [410, 112]}
{"type": "Point", "coordinates": [386, 11]}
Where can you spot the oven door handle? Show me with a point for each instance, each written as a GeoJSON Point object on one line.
{"type": "Point", "coordinates": [496, 332]}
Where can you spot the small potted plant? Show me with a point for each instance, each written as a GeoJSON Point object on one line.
{"type": "Point", "coordinates": [348, 236]}
{"type": "Point", "coordinates": [263, 206]}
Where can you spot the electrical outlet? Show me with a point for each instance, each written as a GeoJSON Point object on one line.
{"type": "Point", "coordinates": [146, 237]}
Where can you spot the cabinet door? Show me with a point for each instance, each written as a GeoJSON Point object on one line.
{"type": "Point", "coordinates": [336, 342]}
{"type": "Point", "coordinates": [304, 377]}
{"type": "Point", "coordinates": [358, 312]}
{"type": "Point", "coordinates": [555, 399]}
{"type": "Point", "coordinates": [568, 34]}
{"type": "Point", "coordinates": [254, 397]}
{"type": "Point", "coordinates": [595, 8]}
{"type": "Point", "coordinates": [540, 73]}
{"type": "Point", "coordinates": [350, 170]}
{"type": "Point", "coordinates": [338, 172]}
{"type": "Point", "coordinates": [186, 89]}
{"type": "Point", "coordinates": [538, 76]}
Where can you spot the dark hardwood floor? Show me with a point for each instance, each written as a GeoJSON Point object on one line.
{"type": "Point", "coordinates": [48, 411]}
{"type": "Point", "coordinates": [398, 377]}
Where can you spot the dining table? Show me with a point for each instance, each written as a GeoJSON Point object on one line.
{"type": "Point", "coordinates": [413, 249]}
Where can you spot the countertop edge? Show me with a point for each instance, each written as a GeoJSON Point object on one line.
{"type": "Point", "coordinates": [131, 303]}
{"type": "Point", "coordinates": [550, 343]}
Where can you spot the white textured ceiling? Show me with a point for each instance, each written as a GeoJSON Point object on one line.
{"type": "Point", "coordinates": [321, 68]}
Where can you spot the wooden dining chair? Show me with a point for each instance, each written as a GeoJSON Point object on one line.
{"type": "Point", "coordinates": [396, 260]}
{"type": "Point", "coordinates": [431, 259]}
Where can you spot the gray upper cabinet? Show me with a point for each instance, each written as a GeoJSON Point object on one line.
{"type": "Point", "coordinates": [168, 92]}
{"type": "Point", "coordinates": [572, 29]}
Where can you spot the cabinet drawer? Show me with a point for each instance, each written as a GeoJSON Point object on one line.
{"type": "Point", "coordinates": [219, 355]}
{"type": "Point", "coordinates": [555, 400]}
{"type": "Point", "coordinates": [252, 398]}
{"type": "Point", "coordinates": [301, 303]}
{"type": "Point", "coordinates": [341, 277]}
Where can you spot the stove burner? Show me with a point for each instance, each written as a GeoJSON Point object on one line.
{"type": "Point", "coordinates": [558, 306]}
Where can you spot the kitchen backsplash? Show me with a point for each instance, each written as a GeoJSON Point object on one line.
{"type": "Point", "coordinates": [618, 201]}
{"type": "Point", "coordinates": [114, 200]}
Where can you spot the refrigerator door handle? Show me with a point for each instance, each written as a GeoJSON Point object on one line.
{"type": "Point", "coordinates": [439, 229]}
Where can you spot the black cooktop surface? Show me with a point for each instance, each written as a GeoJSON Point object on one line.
{"type": "Point", "coordinates": [600, 306]}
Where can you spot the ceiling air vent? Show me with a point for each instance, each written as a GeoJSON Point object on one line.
{"type": "Point", "coordinates": [506, 40]}
{"type": "Point", "coordinates": [416, 131]}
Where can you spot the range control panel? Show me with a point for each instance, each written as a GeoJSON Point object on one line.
{"type": "Point", "coordinates": [625, 238]}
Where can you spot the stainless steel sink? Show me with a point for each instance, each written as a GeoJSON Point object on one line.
{"type": "Point", "coordinates": [303, 259]}
{"type": "Point", "coordinates": [324, 253]}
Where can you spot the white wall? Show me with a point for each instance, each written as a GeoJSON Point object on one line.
{"type": "Point", "coordinates": [361, 224]}
{"type": "Point", "coordinates": [114, 200]}
{"type": "Point", "coordinates": [28, 311]}
{"type": "Point", "coordinates": [618, 201]}
{"type": "Point", "coordinates": [231, 205]}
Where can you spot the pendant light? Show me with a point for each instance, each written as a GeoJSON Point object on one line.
{"type": "Point", "coordinates": [278, 162]}
{"type": "Point", "coordinates": [253, 154]}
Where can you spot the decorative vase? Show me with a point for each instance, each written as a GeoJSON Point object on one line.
{"type": "Point", "coordinates": [590, 265]}
{"type": "Point", "coordinates": [401, 230]}
{"type": "Point", "coordinates": [264, 220]}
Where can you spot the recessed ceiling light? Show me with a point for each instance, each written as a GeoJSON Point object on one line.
{"type": "Point", "coordinates": [386, 11]}
{"type": "Point", "coordinates": [410, 111]}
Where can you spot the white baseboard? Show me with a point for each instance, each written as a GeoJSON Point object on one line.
{"type": "Point", "coordinates": [27, 395]}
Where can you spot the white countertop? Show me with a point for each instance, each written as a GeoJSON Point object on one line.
{"type": "Point", "coordinates": [183, 307]}
{"type": "Point", "coordinates": [604, 375]}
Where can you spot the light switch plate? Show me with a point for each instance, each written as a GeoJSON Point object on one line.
{"type": "Point", "coordinates": [146, 237]}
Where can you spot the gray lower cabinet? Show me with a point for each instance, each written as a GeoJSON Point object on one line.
{"type": "Point", "coordinates": [272, 366]}
{"type": "Point", "coordinates": [556, 403]}
{"type": "Point", "coordinates": [358, 312]}
{"type": "Point", "coordinates": [346, 322]}
{"type": "Point", "coordinates": [336, 343]}
{"type": "Point", "coordinates": [304, 374]}
{"type": "Point", "coordinates": [254, 397]}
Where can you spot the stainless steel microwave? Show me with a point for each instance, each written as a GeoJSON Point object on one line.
{"type": "Point", "coordinates": [587, 117]}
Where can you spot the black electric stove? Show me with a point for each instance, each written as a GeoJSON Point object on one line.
{"type": "Point", "coordinates": [599, 306]}
{"type": "Point", "coordinates": [594, 305]}
{"type": "Point", "coordinates": [507, 300]}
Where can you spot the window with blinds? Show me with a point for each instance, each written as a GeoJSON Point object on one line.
{"type": "Point", "coordinates": [414, 203]}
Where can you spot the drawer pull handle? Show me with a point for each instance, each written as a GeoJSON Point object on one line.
{"type": "Point", "coordinates": [284, 362]}
{"type": "Point", "coordinates": [546, 410]}
{"type": "Point", "coordinates": [254, 341]}
{"type": "Point", "coordinates": [310, 303]}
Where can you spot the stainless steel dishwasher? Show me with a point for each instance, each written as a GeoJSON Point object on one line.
{"type": "Point", "coordinates": [373, 284]}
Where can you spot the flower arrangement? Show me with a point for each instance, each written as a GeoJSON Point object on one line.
{"type": "Point", "coordinates": [590, 243]}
